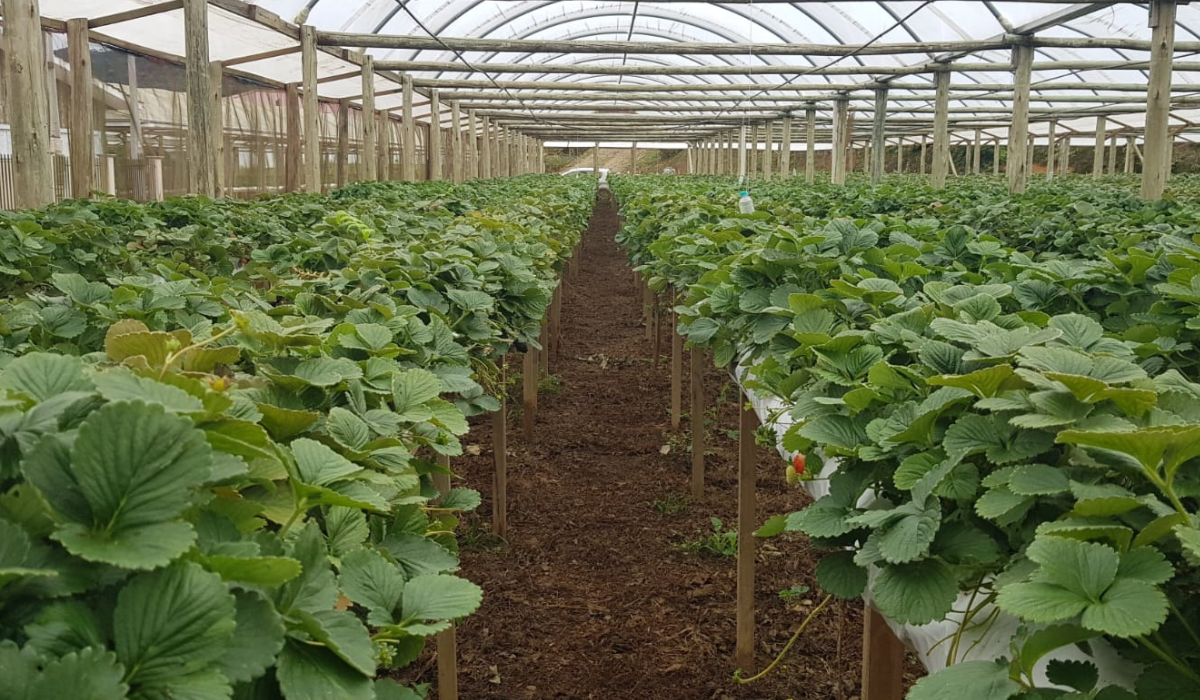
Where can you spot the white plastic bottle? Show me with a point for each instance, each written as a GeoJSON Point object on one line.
{"type": "Point", "coordinates": [745, 204]}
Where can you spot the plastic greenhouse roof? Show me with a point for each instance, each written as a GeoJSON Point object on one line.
{"type": "Point", "coordinates": [838, 23]}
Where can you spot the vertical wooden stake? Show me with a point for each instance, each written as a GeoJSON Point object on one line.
{"type": "Point", "coordinates": [1156, 163]}
{"type": "Point", "coordinates": [447, 653]}
{"type": "Point", "coordinates": [343, 140]}
{"type": "Point", "coordinates": [696, 385]}
{"type": "Point", "coordinates": [747, 422]}
{"type": "Point", "coordinates": [24, 48]}
{"type": "Point", "coordinates": [500, 460]}
{"type": "Point", "coordinates": [879, 135]}
{"type": "Point", "coordinates": [941, 129]}
{"type": "Point", "coordinates": [556, 322]}
{"type": "Point", "coordinates": [676, 373]}
{"type": "Point", "coordinates": [529, 370]}
{"type": "Point", "coordinates": [883, 659]}
{"type": "Point", "coordinates": [647, 308]}
{"type": "Point", "coordinates": [544, 353]}
{"type": "Point", "coordinates": [1098, 148]}
{"type": "Point", "coordinates": [312, 114]}
{"type": "Point", "coordinates": [656, 321]}
{"type": "Point", "coordinates": [810, 137]}
{"type": "Point", "coordinates": [294, 162]}
{"type": "Point", "coordinates": [433, 146]}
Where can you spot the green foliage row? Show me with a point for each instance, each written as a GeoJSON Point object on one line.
{"type": "Point", "coordinates": [1011, 382]}
{"type": "Point", "coordinates": [219, 423]}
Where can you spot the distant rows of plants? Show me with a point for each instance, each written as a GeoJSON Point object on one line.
{"type": "Point", "coordinates": [219, 423]}
{"type": "Point", "coordinates": [1012, 382]}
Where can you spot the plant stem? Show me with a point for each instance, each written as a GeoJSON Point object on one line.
{"type": "Point", "coordinates": [1169, 660]}
{"type": "Point", "coordinates": [788, 646]}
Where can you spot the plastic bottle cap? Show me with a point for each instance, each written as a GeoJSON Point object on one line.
{"type": "Point", "coordinates": [745, 194]}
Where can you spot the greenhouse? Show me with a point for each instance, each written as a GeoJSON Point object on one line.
{"type": "Point", "coordinates": [637, 350]}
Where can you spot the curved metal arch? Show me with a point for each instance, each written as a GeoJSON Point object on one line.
{"type": "Point", "coordinates": [643, 32]}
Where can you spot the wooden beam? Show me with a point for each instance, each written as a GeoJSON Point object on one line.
{"type": "Point", "coordinates": [312, 113]}
{"type": "Point", "coordinates": [688, 48]}
{"type": "Point", "coordinates": [135, 13]}
{"type": "Point", "coordinates": [263, 55]}
{"type": "Point", "coordinates": [878, 134]}
{"type": "Point", "coordinates": [81, 130]}
{"type": "Point", "coordinates": [1018, 166]}
{"type": "Point", "coordinates": [941, 131]}
{"type": "Point", "coordinates": [408, 160]}
{"type": "Point", "coordinates": [782, 69]}
{"type": "Point", "coordinates": [202, 133]}
{"type": "Point", "coordinates": [1156, 168]}
{"type": "Point", "coordinates": [368, 134]}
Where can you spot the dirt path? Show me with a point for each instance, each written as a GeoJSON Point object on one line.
{"type": "Point", "coordinates": [592, 596]}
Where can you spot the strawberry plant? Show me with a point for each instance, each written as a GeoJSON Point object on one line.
{"type": "Point", "coordinates": [1003, 392]}
{"type": "Point", "coordinates": [216, 478]}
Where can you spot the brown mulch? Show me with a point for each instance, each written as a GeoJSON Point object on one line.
{"type": "Point", "coordinates": [592, 596]}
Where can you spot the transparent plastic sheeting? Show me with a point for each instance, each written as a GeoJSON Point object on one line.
{"type": "Point", "coordinates": [930, 642]}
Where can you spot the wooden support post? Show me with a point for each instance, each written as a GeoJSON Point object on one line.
{"type": "Point", "coordinates": [883, 659]}
{"type": "Point", "coordinates": [500, 460]}
{"type": "Point", "coordinates": [221, 155]}
{"type": "Point", "coordinates": [656, 320]}
{"type": "Point", "coordinates": [785, 148]}
{"type": "Point", "coordinates": [312, 110]}
{"type": "Point", "coordinates": [369, 134]}
{"type": "Point", "coordinates": [456, 142]}
{"type": "Point", "coordinates": [696, 420]}
{"type": "Point", "coordinates": [977, 159]}
{"type": "Point", "coordinates": [408, 158]}
{"type": "Point", "coordinates": [900, 155]}
{"type": "Point", "coordinates": [810, 137]}
{"type": "Point", "coordinates": [633, 158]}
{"type": "Point", "coordinates": [1018, 131]}
{"type": "Point", "coordinates": [1051, 147]}
{"type": "Point", "coordinates": [840, 141]}
{"type": "Point", "coordinates": [752, 152]}
{"type": "Point", "coordinates": [1112, 154]}
{"type": "Point", "coordinates": [202, 135]}
{"type": "Point", "coordinates": [485, 148]}
{"type": "Point", "coordinates": [385, 153]}
{"type": "Point", "coordinates": [1129, 141]}
{"type": "Point", "coordinates": [1032, 150]}
{"type": "Point", "coordinates": [996, 156]}
{"type": "Point", "coordinates": [1098, 148]}
{"type": "Point", "coordinates": [741, 167]}
{"type": "Point", "coordinates": [768, 155]}
{"type": "Point", "coordinates": [82, 131]}
{"type": "Point", "coordinates": [529, 373]}
{"type": "Point", "coordinates": [1156, 166]}
{"type": "Point", "coordinates": [879, 135]}
{"type": "Point", "coordinates": [941, 128]}
{"type": "Point", "coordinates": [110, 175]}
{"type": "Point", "coordinates": [434, 145]}
{"type": "Point", "coordinates": [747, 514]}
{"type": "Point", "coordinates": [155, 169]}
{"type": "Point", "coordinates": [924, 147]}
{"type": "Point", "coordinates": [472, 150]}
{"type": "Point", "coordinates": [294, 151]}
{"type": "Point", "coordinates": [343, 140]}
{"type": "Point", "coordinates": [1065, 160]}
{"type": "Point", "coordinates": [556, 321]}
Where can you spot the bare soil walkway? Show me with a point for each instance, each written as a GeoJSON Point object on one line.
{"type": "Point", "coordinates": [593, 597]}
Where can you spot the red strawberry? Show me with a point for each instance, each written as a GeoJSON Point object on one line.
{"type": "Point", "coordinates": [798, 463]}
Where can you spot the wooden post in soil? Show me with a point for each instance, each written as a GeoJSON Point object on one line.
{"type": "Point", "coordinates": [544, 353]}
{"type": "Point", "coordinates": [202, 134]}
{"type": "Point", "coordinates": [810, 133]}
{"type": "Point", "coordinates": [647, 307]}
{"type": "Point", "coordinates": [500, 458]}
{"type": "Point", "coordinates": [368, 133]}
{"type": "Point", "coordinates": [556, 322]}
{"type": "Point", "coordinates": [1098, 148]}
{"type": "Point", "coordinates": [676, 370]}
{"type": "Point", "coordinates": [434, 144]}
{"type": "Point", "coordinates": [294, 163]}
{"type": "Point", "coordinates": [941, 129]}
{"type": "Point", "coordinates": [447, 651]}
{"type": "Point", "coordinates": [529, 370]}
{"type": "Point", "coordinates": [1051, 147]}
{"type": "Point", "coordinates": [747, 423]}
{"type": "Point", "coordinates": [882, 660]}
{"type": "Point", "coordinates": [656, 320]}
{"type": "Point", "coordinates": [696, 421]}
